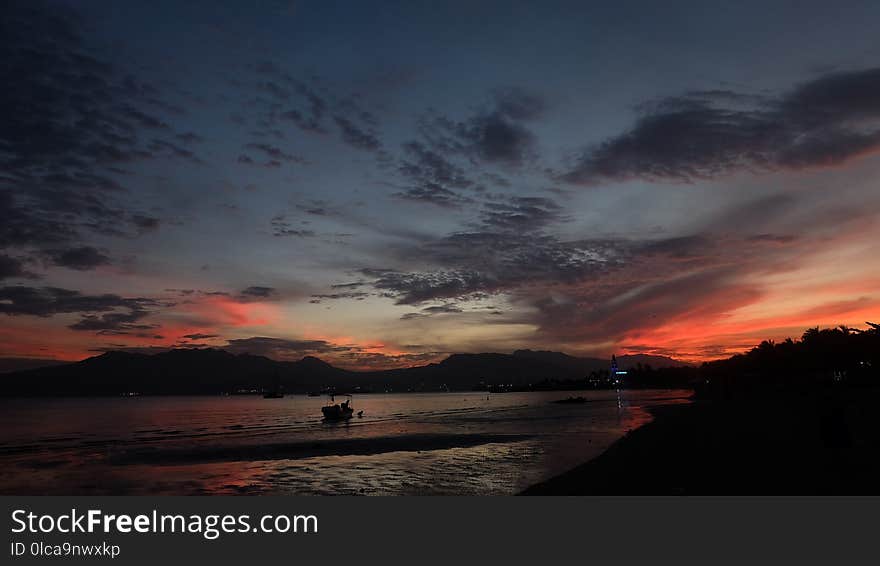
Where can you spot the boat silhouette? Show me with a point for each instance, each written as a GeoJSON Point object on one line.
{"type": "Point", "coordinates": [338, 411]}
{"type": "Point", "coordinates": [277, 391]}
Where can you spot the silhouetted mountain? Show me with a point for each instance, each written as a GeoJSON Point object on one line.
{"type": "Point", "coordinates": [587, 365]}
{"type": "Point", "coordinates": [571, 364]}
{"type": "Point", "coordinates": [183, 371]}
{"type": "Point", "coordinates": [211, 371]}
{"type": "Point", "coordinates": [19, 364]}
{"type": "Point", "coordinates": [629, 361]}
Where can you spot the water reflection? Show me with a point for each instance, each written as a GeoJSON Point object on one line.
{"type": "Point", "coordinates": [445, 443]}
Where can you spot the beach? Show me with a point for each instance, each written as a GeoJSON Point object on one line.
{"type": "Point", "coordinates": [820, 443]}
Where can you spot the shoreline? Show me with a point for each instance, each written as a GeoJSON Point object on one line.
{"type": "Point", "coordinates": [574, 481]}
{"type": "Point", "coordinates": [820, 443]}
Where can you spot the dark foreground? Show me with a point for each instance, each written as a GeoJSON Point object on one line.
{"type": "Point", "coordinates": [824, 442]}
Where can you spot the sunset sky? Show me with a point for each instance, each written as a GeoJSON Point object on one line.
{"type": "Point", "coordinates": [382, 184]}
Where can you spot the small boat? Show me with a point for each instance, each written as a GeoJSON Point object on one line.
{"type": "Point", "coordinates": [571, 401]}
{"type": "Point", "coordinates": [277, 391]}
{"type": "Point", "coordinates": [338, 411]}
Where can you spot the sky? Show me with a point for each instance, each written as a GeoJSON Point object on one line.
{"type": "Point", "coordinates": [381, 184]}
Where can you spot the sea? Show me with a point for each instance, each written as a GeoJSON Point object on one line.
{"type": "Point", "coordinates": [457, 443]}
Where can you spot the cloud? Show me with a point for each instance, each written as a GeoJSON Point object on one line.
{"type": "Point", "coordinates": [433, 178]}
{"type": "Point", "coordinates": [521, 214]}
{"type": "Point", "coordinates": [432, 193]}
{"type": "Point", "coordinates": [316, 208]}
{"type": "Point", "coordinates": [448, 308]}
{"type": "Point", "coordinates": [71, 121]}
{"type": "Point", "coordinates": [356, 295]}
{"type": "Point", "coordinates": [281, 228]}
{"type": "Point", "coordinates": [100, 312]}
{"type": "Point", "coordinates": [12, 267]}
{"type": "Point", "coordinates": [258, 293]}
{"type": "Point", "coordinates": [497, 134]}
{"type": "Point", "coordinates": [309, 105]}
{"type": "Point", "coordinates": [280, 348]}
{"type": "Point", "coordinates": [702, 135]}
{"type": "Point", "coordinates": [444, 161]}
{"type": "Point", "coordinates": [198, 336]}
{"type": "Point", "coordinates": [189, 138]}
{"type": "Point", "coordinates": [475, 264]}
{"type": "Point", "coordinates": [518, 104]}
{"type": "Point", "coordinates": [145, 223]}
{"type": "Point", "coordinates": [164, 148]}
{"type": "Point", "coordinates": [115, 321]}
{"type": "Point", "coordinates": [82, 258]}
{"type": "Point", "coordinates": [428, 166]}
{"type": "Point", "coordinates": [275, 154]}
{"type": "Point", "coordinates": [306, 123]}
{"type": "Point", "coordinates": [357, 137]}
{"type": "Point", "coordinates": [495, 137]}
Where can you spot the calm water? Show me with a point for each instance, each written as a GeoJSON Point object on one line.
{"type": "Point", "coordinates": [436, 443]}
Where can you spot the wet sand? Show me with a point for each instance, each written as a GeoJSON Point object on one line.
{"type": "Point", "coordinates": [310, 449]}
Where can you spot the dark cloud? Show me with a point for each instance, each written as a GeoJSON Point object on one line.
{"type": "Point", "coordinates": [429, 166]}
{"type": "Point", "coordinates": [198, 336]}
{"type": "Point", "coordinates": [644, 302]}
{"type": "Point", "coordinates": [280, 348]}
{"type": "Point", "coordinates": [521, 214]}
{"type": "Point", "coordinates": [82, 258]}
{"type": "Point", "coordinates": [433, 178]}
{"type": "Point", "coordinates": [163, 148]}
{"type": "Point", "coordinates": [518, 104]}
{"type": "Point", "coordinates": [495, 137]}
{"type": "Point", "coordinates": [439, 165]}
{"type": "Point", "coordinates": [189, 138]}
{"type": "Point", "coordinates": [306, 123]}
{"type": "Point", "coordinates": [511, 254]}
{"type": "Point", "coordinates": [258, 293]}
{"type": "Point", "coordinates": [281, 228]}
{"type": "Point", "coordinates": [475, 264]}
{"type": "Point", "coordinates": [702, 135]}
{"type": "Point", "coordinates": [11, 267]}
{"type": "Point", "coordinates": [275, 154]}
{"type": "Point", "coordinates": [198, 293]}
{"type": "Point", "coordinates": [356, 295]}
{"type": "Point", "coordinates": [687, 280]}
{"type": "Point", "coordinates": [432, 193]}
{"type": "Point", "coordinates": [100, 312]}
{"type": "Point", "coordinates": [775, 238]}
{"type": "Point", "coordinates": [70, 121]}
{"type": "Point", "coordinates": [357, 137]}
{"type": "Point", "coordinates": [447, 308]}
{"type": "Point", "coordinates": [24, 226]}
{"type": "Point", "coordinates": [497, 134]}
{"type": "Point", "coordinates": [316, 208]}
{"type": "Point", "coordinates": [309, 105]}
{"type": "Point", "coordinates": [145, 223]}
{"type": "Point", "coordinates": [115, 322]}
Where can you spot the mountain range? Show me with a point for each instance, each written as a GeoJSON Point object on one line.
{"type": "Point", "coordinates": [213, 371]}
